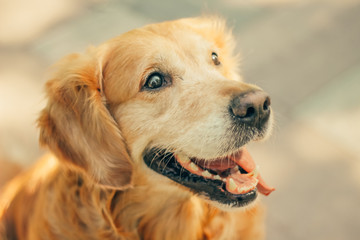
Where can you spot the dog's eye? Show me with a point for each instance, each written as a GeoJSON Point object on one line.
{"type": "Point", "coordinates": [155, 80]}
{"type": "Point", "coordinates": [215, 58]}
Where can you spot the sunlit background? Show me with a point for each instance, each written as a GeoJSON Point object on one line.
{"type": "Point", "coordinates": [304, 53]}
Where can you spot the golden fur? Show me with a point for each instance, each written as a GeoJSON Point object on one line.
{"type": "Point", "coordinates": [97, 123]}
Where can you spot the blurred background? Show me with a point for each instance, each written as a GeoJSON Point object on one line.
{"type": "Point", "coordinates": [304, 53]}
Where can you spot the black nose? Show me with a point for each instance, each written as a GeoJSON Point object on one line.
{"type": "Point", "coordinates": [251, 108]}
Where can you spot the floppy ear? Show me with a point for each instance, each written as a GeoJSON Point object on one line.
{"type": "Point", "coordinates": [77, 126]}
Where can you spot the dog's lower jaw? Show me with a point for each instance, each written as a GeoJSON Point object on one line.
{"type": "Point", "coordinates": [157, 208]}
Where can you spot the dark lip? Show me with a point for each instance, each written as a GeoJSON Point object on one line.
{"type": "Point", "coordinates": [164, 163]}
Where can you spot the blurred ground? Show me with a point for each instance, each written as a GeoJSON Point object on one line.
{"type": "Point", "coordinates": [306, 54]}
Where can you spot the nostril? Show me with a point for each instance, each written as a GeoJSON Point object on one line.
{"type": "Point", "coordinates": [244, 112]}
{"type": "Point", "coordinates": [250, 112]}
{"type": "Point", "coordinates": [266, 104]}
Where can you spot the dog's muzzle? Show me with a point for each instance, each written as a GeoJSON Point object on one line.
{"type": "Point", "coordinates": [231, 179]}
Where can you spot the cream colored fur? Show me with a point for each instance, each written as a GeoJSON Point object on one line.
{"type": "Point", "coordinates": [97, 124]}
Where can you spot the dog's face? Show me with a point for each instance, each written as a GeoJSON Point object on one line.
{"type": "Point", "coordinates": [182, 109]}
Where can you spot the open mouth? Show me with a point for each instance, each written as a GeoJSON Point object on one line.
{"type": "Point", "coordinates": [232, 180]}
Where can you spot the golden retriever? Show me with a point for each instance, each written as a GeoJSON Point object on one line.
{"type": "Point", "coordinates": [147, 134]}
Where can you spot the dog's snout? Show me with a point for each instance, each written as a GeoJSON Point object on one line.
{"type": "Point", "coordinates": [251, 108]}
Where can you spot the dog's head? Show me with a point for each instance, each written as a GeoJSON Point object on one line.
{"type": "Point", "coordinates": [166, 97]}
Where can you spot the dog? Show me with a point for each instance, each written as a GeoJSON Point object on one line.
{"type": "Point", "coordinates": [147, 135]}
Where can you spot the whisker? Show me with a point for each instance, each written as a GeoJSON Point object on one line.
{"type": "Point", "coordinates": [157, 153]}
{"type": "Point", "coordinates": [161, 160]}
{"type": "Point", "coordinates": [166, 156]}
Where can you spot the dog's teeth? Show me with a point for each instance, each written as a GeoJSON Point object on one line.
{"type": "Point", "coordinates": [255, 172]}
{"type": "Point", "coordinates": [194, 167]}
{"type": "Point", "coordinates": [206, 174]}
{"type": "Point", "coordinates": [232, 184]}
{"type": "Point", "coordinates": [183, 159]}
{"type": "Point", "coordinates": [217, 177]}
{"type": "Point", "coordinates": [235, 170]}
{"type": "Point", "coordinates": [242, 190]}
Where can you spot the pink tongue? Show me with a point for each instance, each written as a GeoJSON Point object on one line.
{"type": "Point", "coordinates": [220, 164]}
{"type": "Point", "coordinates": [245, 161]}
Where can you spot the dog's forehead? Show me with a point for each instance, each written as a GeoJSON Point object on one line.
{"type": "Point", "coordinates": [190, 34]}
{"type": "Point", "coordinates": [177, 46]}
{"type": "Point", "coordinates": [194, 40]}
{"type": "Point", "coordinates": [190, 38]}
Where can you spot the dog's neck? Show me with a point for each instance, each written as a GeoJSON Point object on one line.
{"type": "Point", "coordinates": [159, 215]}
{"type": "Point", "coordinates": [145, 212]}
{"type": "Point", "coordinates": [79, 209]}
{"type": "Point", "coordinates": [169, 212]}
{"type": "Point", "coordinates": [142, 212]}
